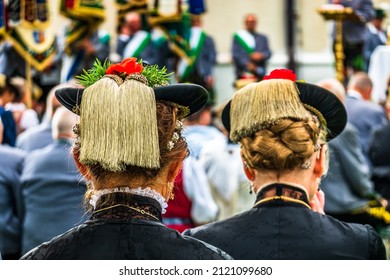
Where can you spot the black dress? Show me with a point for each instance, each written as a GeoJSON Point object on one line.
{"type": "Point", "coordinates": [129, 229]}
{"type": "Point", "coordinates": [288, 230]}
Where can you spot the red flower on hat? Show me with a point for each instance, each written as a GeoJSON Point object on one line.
{"type": "Point", "coordinates": [127, 66]}
{"type": "Point", "coordinates": [285, 74]}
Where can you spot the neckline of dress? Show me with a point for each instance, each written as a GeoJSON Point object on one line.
{"type": "Point", "coordinates": [147, 192]}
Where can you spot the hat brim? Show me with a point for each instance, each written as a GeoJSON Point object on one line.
{"type": "Point", "coordinates": [331, 108]}
{"type": "Point", "coordinates": [192, 96]}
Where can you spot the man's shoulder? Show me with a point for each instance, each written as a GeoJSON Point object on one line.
{"type": "Point", "coordinates": [34, 134]}
{"type": "Point", "coordinates": [11, 153]}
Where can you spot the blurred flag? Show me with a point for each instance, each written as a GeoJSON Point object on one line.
{"type": "Point", "coordinates": [25, 23]}
{"type": "Point", "coordinates": [172, 17]}
{"type": "Point", "coordinates": [85, 16]}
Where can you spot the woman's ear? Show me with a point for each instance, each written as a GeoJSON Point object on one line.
{"type": "Point", "coordinates": [321, 162]}
{"type": "Point", "coordinates": [174, 169]}
{"type": "Point", "coordinates": [248, 171]}
{"type": "Point", "coordinates": [81, 167]}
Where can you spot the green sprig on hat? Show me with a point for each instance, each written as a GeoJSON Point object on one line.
{"type": "Point", "coordinates": [94, 74]}
{"type": "Point", "coordinates": [154, 75]}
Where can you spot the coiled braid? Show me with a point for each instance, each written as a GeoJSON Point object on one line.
{"type": "Point", "coordinates": [283, 145]}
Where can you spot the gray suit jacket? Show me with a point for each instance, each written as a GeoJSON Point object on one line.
{"type": "Point", "coordinates": [52, 193]}
{"type": "Point", "coordinates": [355, 31]}
{"type": "Point", "coordinates": [35, 137]}
{"type": "Point", "coordinates": [241, 56]}
{"type": "Point", "coordinates": [365, 116]}
{"type": "Point", "coordinates": [380, 157]}
{"type": "Point", "coordinates": [347, 185]}
{"type": "Point", "coordinates": [11, 164]}
{"type": "Point", "coordinates": [207, 58]}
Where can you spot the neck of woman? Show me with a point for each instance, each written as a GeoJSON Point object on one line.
{"type": "Point", "coordinates": [300, 179]}
{"type": "Point", "coordinates": [268, 190]}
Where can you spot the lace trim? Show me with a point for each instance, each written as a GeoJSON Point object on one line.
{"type": "Point", "coordinates": [148, 192]}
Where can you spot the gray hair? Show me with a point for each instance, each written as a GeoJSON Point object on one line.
{"type": "Point", "coordinates": [334, 86]}
{"type": "Point", "coordinates": [62, 123]}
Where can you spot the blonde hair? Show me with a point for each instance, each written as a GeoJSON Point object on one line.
{"type": "Point", "coordinates": [285, 145]}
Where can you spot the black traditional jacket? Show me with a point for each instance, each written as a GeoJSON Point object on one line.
{"type": "Point", "coordinates": [283, 229]}
{"type": "Point", "coordinates": [130, 229]}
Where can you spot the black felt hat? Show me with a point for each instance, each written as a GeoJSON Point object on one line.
{"type": "Point", "coordinates": [315, 99]}
{"type": "Point", "coordinates": [118, 112]}
{"type": "Point", "coordinates": [192, 96]}
{"type": "Point", "coordinates": [380, 13]}
{"type": "Point", "coordinates": [328, 104]}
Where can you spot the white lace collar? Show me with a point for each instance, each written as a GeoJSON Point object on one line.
{"type": "Point", "coordinates": [148, 192]}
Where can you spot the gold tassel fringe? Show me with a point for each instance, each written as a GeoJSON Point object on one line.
{"type": "Point", "coordinates": [118, 125]}
{"type": "Point", "coordinates": [258, 105]}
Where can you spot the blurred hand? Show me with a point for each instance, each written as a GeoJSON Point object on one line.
{"type": "Point", "coordinates": [209, 81]}
{"type": "Point", "coordinates": [251, 67]}
{"type": "Point", "coordinates": [257, 56]}
{"type": "Point", "coordinates": [385, 203]}
{"type": "Point", "coordinates": [318, 202]}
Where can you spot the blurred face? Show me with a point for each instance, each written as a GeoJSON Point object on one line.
{"type": "Point", "coordinates": [377, 23]}
{"type": "Point", "coordinates": [7, 97]}
{"type": "Point", "coordinates": [206, 117]}
{"type": "Point", "coordinates": [250, 23]}
{"type": "Point", "coordinates": [133, 21]}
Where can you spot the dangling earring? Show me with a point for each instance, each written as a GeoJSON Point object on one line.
{"type": "Point", "coordinates": [249, 175]}
{"type": "Point", "coordinates": [171, 185]}
{"type": "Point", "coordinates": [251, 188]}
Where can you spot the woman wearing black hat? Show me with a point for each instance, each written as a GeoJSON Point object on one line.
{"type": "Point", "coordinates": [129, 147]}
{"type": "Point", "coordinates": [282, 127]}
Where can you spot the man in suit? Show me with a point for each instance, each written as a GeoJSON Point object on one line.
{"type": "Point", "coordinates": [83, 53]}
{"type": "Point", "coordinates": [380, 157]}
{"type": "Point", "coordinates": [8, 92]}
{"type": "Point", "coordinates": [40, 136]}
{"type": "Point", "coordinates": [52, 189]}
{"type": "Point", "coordinates": [133, 41]}
{"type": "Point", "coordinates": [11, 162]}
{"type": "Point", "coordinates": [349, 191]}
{"type": "Point", "coordinates": [363, 114]}
{"type": "Point", "coordinates": [251, 51]}
{"type": "Point", "coordinates": [376, 35]}
{"type": "Point", "coordinates": [204, 58]}
{"type": "Point", "coordinates": [354, 34]}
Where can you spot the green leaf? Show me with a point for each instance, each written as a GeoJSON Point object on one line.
{"type": "Point", "coordinates": [94, 74]}
{"type": "Point", "coordinates": [156, 76]}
